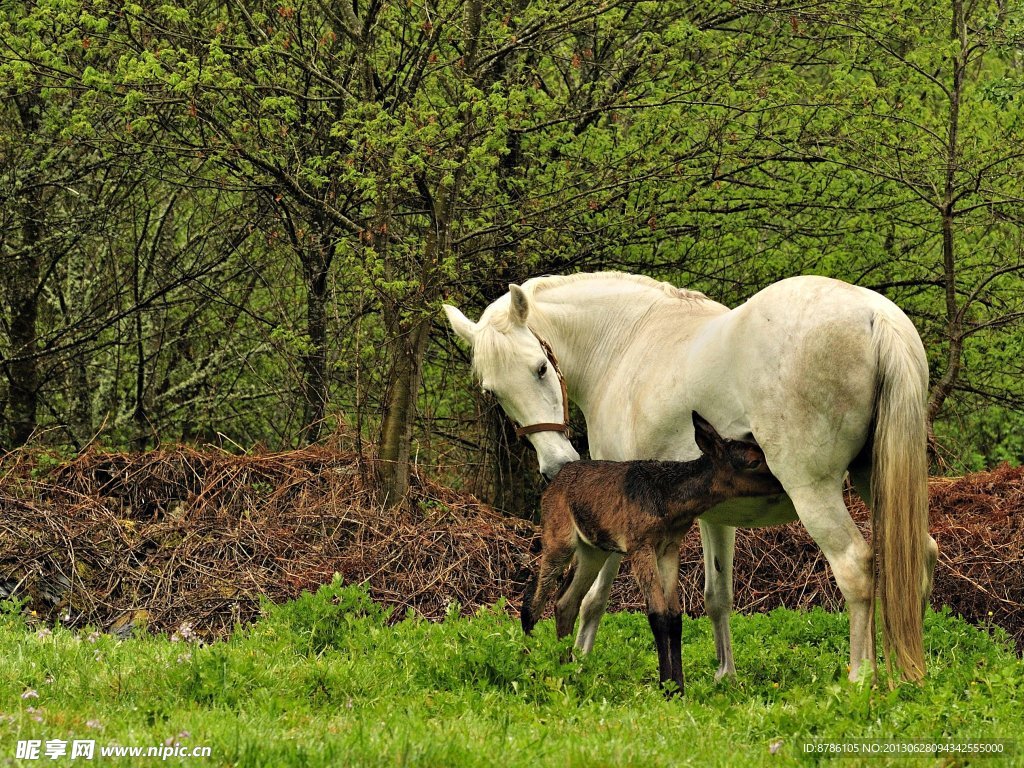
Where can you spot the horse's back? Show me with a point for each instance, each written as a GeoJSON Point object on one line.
{"type": "Point", "coordinates": [817, 335]}
{"type": "Point", "coordinates": [811, 301]}
{"type": "Point", "coordinates": [797, 366]}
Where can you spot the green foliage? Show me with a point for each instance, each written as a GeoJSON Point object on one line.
{"type": "Point", "coordinates": [44, 462]}
{"type": "Point", "coordinates": [333, 617]}
{"type": "Point", "coordinates": [468, 689]}
{"type": "Point", "coordinates": [244, 214]}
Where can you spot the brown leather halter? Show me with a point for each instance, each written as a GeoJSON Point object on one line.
{"type": "Point", "coordinates": [549, 426]}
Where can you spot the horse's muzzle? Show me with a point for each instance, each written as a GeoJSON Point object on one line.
{"type": "Point", "coordinates": [551, 468]}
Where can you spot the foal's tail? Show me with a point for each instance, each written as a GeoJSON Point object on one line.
{"type": "Point", "coordinates": [899, 489]}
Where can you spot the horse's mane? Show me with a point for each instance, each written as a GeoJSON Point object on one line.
{"type": "Point", "coordinates": [536, 285]}
{"type": "Point", "coordinates": [490, 345]}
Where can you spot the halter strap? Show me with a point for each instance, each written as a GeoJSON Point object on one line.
{"type": "Point", "coordinates": [549, 426]}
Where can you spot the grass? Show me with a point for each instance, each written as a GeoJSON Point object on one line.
{"type": "Point", "coordinates": [324, 681]}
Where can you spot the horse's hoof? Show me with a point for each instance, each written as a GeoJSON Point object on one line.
{"type": "Point", "coordinates": [724, 672]}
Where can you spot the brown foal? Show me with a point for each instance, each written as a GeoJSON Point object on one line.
{"type": "Point", "coordinates": [593, 509]}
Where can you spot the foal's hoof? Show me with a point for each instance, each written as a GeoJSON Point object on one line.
{"type": "Point", "coordinates": [671, 689]}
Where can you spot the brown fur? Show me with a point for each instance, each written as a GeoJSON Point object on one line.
{"type": "Point", "coordinates": [642, 508]}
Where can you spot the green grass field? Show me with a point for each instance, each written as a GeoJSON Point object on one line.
{"type": "Point", "coordinates": [324, 681]}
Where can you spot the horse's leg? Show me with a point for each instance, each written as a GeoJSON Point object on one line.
{"type": "Point", "coordinates": [648, 576]}
{"type": "Point", "coordinates": [553, 561]}
{"type": "Point", "coordinates": [931, 555]}
{"type": "Point", "coordinates": [718, 542]}
{"type": "Point", "coordinates": [595, 603]}
{"type": "Point", "coordinates": [589, 561]}
{"type": "Point", "coordinates": [861, 480]}
{"type": "Point", "coordinates": [668, 571]}
{"type": "Point", "coordinates": [821, 509]}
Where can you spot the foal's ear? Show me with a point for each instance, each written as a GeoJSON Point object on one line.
{"type": "Point", "coordinates": [464, 328]}
{"type": "Point", "coordinates": [520, 304]}
{"type": "Point", "coordinates": [707, 439]}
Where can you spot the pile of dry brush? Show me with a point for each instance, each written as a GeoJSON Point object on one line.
{"type": "Point", "coordinates": [173, 536]}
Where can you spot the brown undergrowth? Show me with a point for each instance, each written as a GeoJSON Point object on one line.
{"type": "Point", "coordinates": [183, 535]}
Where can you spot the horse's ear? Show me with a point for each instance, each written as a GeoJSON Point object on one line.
{"type": "Point", "coordinates": [464, 328]}
{"type": "Point", "coordinates": [707, 439]}
{"type": "Point", "coordinates": [520, 304]}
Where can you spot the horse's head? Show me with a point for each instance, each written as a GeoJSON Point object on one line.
{"type": "Point", "coordinates": [512, 363]}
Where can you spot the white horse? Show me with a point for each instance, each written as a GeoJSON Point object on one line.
{"type": "Point", "coordinates": [827, 377]}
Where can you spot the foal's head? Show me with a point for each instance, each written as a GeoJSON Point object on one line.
{"type": "Point", "coordinates": [740, 467]}
{"type": "Point", "coordinates": [513, 365]}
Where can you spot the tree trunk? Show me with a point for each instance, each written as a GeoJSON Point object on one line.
{"type": "Point", "coordinates": [316, 268]}
{"type": "Point", "coordinates": [140, 419]}
{"type": "Point", "coordinates": [409, 338]}
{"type": "Point", "coordinates": [80, 424]}
{"type": "Point", "coordinates": [393, 465]}
{"type": "Point", "coordinates": [954, 312]}
{"type": "Point", "coordinates": [954, 327]}
{"type": "Point", "coordinates": [23, 369]}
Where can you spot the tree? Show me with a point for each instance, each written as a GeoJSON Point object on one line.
{"type": "Point", "coordinates": [918, 113]}
{"type": "Point", "coordinates": [240, 219]}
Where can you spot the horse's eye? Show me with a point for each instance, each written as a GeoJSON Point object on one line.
{"type": "Point", "coordinates": [542, 370]}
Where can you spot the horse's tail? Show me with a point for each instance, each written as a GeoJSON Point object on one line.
{"type": "Point", "coordinates": [899, 489]}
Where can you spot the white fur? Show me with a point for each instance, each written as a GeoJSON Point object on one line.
{"type": "Point", "coordinates": [511, 357]}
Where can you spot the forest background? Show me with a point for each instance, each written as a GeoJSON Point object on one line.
{"type": "Point", "coordinates": [233, 223]}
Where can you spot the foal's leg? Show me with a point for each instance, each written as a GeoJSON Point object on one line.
{"type": "Point", "coordinates": [553, 561]}
{"type": "Point", "coordinates": [648, 576]}
{"type": "Point", "coordinates": [718, 542]}
{"type": "Point", "coordinates": [822, 511]}
{"type": "Point", "coordinates": [668, 571]}
{"type": "Point", "coordinates": [589, 561]}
